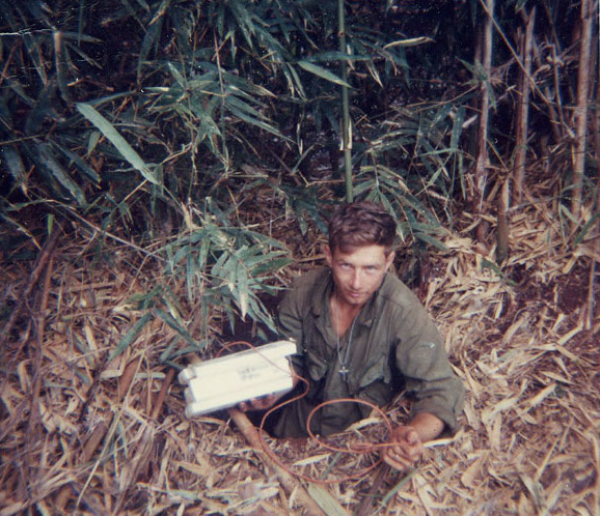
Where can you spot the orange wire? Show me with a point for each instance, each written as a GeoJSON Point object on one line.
{"type": "Point", "coordinates": [361, 450]}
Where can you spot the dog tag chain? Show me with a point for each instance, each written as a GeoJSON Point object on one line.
{"type": "Point", "coordinates": [345, 361]}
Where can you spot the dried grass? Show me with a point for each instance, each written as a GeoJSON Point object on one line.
{"type": "Point", "coordinates": [93, 441]}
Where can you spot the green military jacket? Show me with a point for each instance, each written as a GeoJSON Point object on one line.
{"type": "Point", "coordinates": [394, 346]}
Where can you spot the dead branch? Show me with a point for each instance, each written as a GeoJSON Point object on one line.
{"type": "Point", "coordinates": [97, 437]}
{"type": "Point", "coordinates": [24, 297]}
{"type": "Point", "coordinates": [366, 506]}
{"type": "Point", "coordinates": [34, 412]}
{"type": "Point", "coordinates": [290, 484]}
{"type": "Point", "coordinates": [160, 398]}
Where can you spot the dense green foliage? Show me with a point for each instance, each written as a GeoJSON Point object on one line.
{"type": "Point", "coordinates": [146, 117]}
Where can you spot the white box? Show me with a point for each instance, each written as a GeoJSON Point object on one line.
{"type": "Point", "coordinates": [226, 381]}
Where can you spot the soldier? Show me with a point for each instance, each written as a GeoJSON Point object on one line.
{"type": "Point", "coordinates": [362, 334]}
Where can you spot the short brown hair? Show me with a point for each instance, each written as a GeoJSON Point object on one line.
{"type": "Point", "coordinates": [359, 224]}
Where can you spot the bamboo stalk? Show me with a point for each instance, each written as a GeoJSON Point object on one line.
{"type": "Point", "coordinates": [522, 136]}
{"type": "Point", "coordinates": [482, 154]}
{"type": "Point", "coordinates": [61, 67]}
{"type": "Point", "coordinates": [346, 128]}
{"type": "Point", "coordinates": [582, 106]}
{"type": "Point", "coordinates": [225, 150]}
{"type": "Point", "coordinates": [523, 110]}
{"type": "Point", "coordinates": [502, 233]}
{"type": "Point", "coordinates": [592, 288]}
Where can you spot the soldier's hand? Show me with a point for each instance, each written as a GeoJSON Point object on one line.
{"type": "Point", "coordinates": [262, 403]}
{"type": "Point", "coordinates": [407, 448]}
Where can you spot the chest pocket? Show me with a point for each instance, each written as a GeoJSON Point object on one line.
{"type": "Point", "coordinates": [379, 370]}
{"type": "Point", "coordinates": [317, 366]}
{"type": "Point", "coordinates": [375, 382]}
{"type": "Point", "coordinates": [316, 352]}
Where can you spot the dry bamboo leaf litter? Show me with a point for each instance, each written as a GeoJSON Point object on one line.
{"type": "Point", "coordinates": [529, 443]}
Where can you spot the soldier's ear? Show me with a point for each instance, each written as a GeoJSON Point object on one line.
{"type": "Point", "coordinates": [389, 260]}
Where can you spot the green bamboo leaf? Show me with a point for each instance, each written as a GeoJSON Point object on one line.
{"type": "Point", "coordinates": [293, 80]}
{"type": "Point", "coordinates": [108, 130]}
{"type": "Point", "coordinates": [42, 110]}
{"type": "Point", "coordinates": [565, 211]}
{"type": "Point", "coordinates": [74, 48]}
{"type": "Point", "coordinates": [190, 275]}
{"type": "Point", "coordinates": [588, 225]}
{"type": "Point", "coordinates": [196, 237]}
{"type": "Point", "coordinates": [80, 163]}
{"type": "Point", "coordinates": [177, 74]}
{"type": "Point", "coordinates": [322, 73]}
{"type": "Point", "coordinates": [162, 9]}
{"type": "Point", "coordinates": [36, 54]}
{"type": "Point", "coordinates": [457, 127]}
{"type": "Point", "coordinates": [374, 72]}
{"type": "Point", "coordinates": [203, 254]}
{"type": "Point", "coordinates": [364, 186]}
{"type": "Point", "coordinates": [327, 57]}
{"type": "Point", "coordinates": [250, 89]}
{"type": "Point", "coordinates": [79, 37]}
{"type": "Point", "coordinates": [46, 160]}
{"type": "Point", "coordinates": [6, 127]}
{"type": "Point", "coordinates": [170, 354]}
{"type": "Point", "coordinates": [172, 322]}
{"type": "Point", "coordinates": [431, 240]}
{"type": "Point", "coordinates": [130, 336]}
{"type": "Point", "coordinates": [392, 493]}
{"type": "Point", "coordinates": [486, 264]}
{"type": "Point", "coordinates": [93, 141]}
{"type": "Point", "coordinates": [271, 266]}
{"type": "Point", "coordinates": [242, 289]}
{"type": "Point", "coordinates": [228, 272]}
{"type": "Point", "coordinates": [258, 312]}
{"type": "Point", "coordinates": [217, 269]}
{"type": "Point", "coordinates": [15, 165]}
{"type": "Point", "coordinates": [232, 100]}
{"type": "Point", "coordinates": [260, 256]}
{"type": "Point", "coordinates": [151, 39]}
{"type": "Point", "coordinates": [256, 122]}
{"type": "Point", "coordinates": [181, 253]}
{"type": "Point", "coordinates": [413, 42]}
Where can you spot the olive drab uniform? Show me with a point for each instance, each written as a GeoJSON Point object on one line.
{"type": "Point", "coordinates": [393, 345]}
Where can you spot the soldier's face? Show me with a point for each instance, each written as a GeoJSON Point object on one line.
{"type": "Point", "coordinates": [358, 273]}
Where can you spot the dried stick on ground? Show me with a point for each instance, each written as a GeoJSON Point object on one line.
{"type": "Point", "coordinates": [160, 398]}
{"type": "Point", "coordinates": [142, 455]}
{"type": "Point", "coordinates": [97, 436]}
{"type": "Point", "coordinates": [366, 506]}
{"type": "Point", "coordinates": [33, 279]}
{"type": "Point", "coordinates": [287, 480]}
{"type": "Point", "coordinates": [34, 411]}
